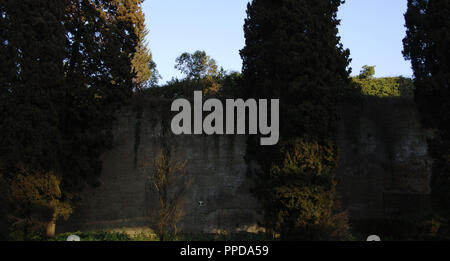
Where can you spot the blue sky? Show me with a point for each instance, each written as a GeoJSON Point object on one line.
{"type": "Point", "coordinates": [372, 29]}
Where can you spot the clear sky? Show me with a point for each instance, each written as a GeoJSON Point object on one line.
{"type": "Point", "coordinates": [372, 29]}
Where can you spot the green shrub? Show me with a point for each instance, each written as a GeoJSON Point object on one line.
{"type": "Point", "coordinates": [385, 87]}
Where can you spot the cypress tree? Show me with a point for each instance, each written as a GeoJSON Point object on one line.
{"type": "Point", "coordinates": [104, 36]}
{"type": "Point", "coordinates": [32, 82]}
{"type": "Point", "coordinates": [32, 86]}
{"type": "Point", "coordinates": [293, 53]}
{"type": "Point", "coordinates": [142, 60]}
{"type": "Point", "coordinates": [426, 46]}
{"type": "Point", "coordinates": [66, 68]}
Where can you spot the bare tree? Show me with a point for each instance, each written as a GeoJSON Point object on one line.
{"type": "Point", "coordinates": [169, 179]}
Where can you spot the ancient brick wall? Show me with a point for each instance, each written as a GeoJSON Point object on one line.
{"type": "Point", "coordinates": [384, 170]}
{"type": "Point", "coordinates": [218, 199]}
{"type": "Point", "coordinates": [384, 167]}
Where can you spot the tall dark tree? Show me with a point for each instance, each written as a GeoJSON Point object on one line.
{"type": "Point", "coordinates": [31, 90]}
{"type": "Point", "coordinates": [293, 53]}
{"type": "Point", "coordinates": [66, 67]}
{"type": "Point", "coordinates": [427, 46]}
{"type": "Point", "coordinates": [101, 42]}
{"type": "Point", "coordinates": [32, 82]}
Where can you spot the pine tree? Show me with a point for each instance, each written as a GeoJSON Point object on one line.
{"type": "Point", "coordinates": [426, 45]}
{"type": "Point", "coordinates": [293, 53]}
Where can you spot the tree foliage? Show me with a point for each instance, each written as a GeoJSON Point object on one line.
{"type": "Point", "coordinates": [66, 67]}
{"type": "Point", "coordinates": [99, 78]}
{"type": "Point", "coordinates": [384, 86]}
{"type": "Point", "coordinates": [367, 72]}
{"type": "Point", "coordinates": [142, 64]}
{"type": "Point", "coordinates": [197, 65]}
{"type": "Point", "coordinates": [32, 50]}
{"type": "Point", "coordinates": [39, 203]}
{"type": "Point", "coordinates": [426, 46]}
{"type": "Point", "coordinates": [303, 190]}
{"type": "Point", "coordinates": [293, 53]}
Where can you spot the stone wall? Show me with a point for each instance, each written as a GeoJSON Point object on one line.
{"type": "Point", "coordinates": [384, 167]}
{"type": "Point", "coordinates": [383, 170]}
{"type": "Point", "coordinates": [218, 199]}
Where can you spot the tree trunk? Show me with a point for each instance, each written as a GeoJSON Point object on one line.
{"type": "Point", "coordinates": [162, 233]}
{"type": "Point", "coordinates": [51, 229]}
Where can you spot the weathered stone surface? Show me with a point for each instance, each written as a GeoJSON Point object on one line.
{"type": "Point", "coordinates": [384, 167]}
{"type": "Point", "coordinates": [384, 170]}
{"type": "Point", "coordinates": [219, 198]}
